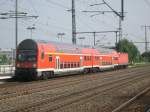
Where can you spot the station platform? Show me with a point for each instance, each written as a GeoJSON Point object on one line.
{"type": "Point", "coordinates": [6, 76]}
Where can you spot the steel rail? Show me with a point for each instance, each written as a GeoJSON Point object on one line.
{"type": "Point", "coordinates": [121, 107]}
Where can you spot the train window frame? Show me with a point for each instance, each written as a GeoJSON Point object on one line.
{"type": "Point", "coordinates": [50, 58]}
{"type": "Point", "coordinates": [78, 64]}
{"type": "Point", "coordinates": [72, 65]}
{"type": "Point", "coordinates": [96, 58]}
{"type": "Point", "coordinates": [75, 65]}
{"type": "Point", "coordinates": [65, 65]}
{"type": "Point", "coordinates": [115, 58]}
{"type": "Point", "coordinates": [61, 65]}
{"type": "Point", "coordinates": [89, 58]}
{"type": "Point", "coordinates": [85, 58]}
{"type": "Point", "coordinates": [42, 55]}
{"type": "Point", "coordinates": [69, 65]}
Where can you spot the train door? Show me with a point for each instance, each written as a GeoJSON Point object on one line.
{"type": "Point", "coordinates": [101, 59]}
{"type": "Point", "coordinates": [81, 61]}
{"type": "Point", "coordinates": [57, 62]}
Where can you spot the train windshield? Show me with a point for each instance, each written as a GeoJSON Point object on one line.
{"type": "Point", "coordinates": [27, 56]}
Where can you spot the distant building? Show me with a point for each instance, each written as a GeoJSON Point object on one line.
{"type": "Point", "coordinates": [9, 53]}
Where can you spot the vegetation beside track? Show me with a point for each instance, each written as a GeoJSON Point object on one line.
{"type": "Point", "coordinates": [135, 58]}
{"type": "Point", "coordinates": [139, 65]}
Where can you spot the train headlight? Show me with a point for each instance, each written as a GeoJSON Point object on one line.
{"type": "Point", "coordinates": [18, 65]}
{"type": "Point", "coordinates": [34, 65]}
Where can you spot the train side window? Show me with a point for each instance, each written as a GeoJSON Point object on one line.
{"type": "Point", "coordinates": [72, 65]}
{"type": "Point", "coordinates": [115, 58]}
{"type": "Point", "coordinates": [78, 64]}
{"type": "Point", "coordinates": [61, 65]}
{"type": "Point", "coordinates": [85, 58]}
{"type": "Point", "coordinates": [69, 65]}
{"type": "Point", "coordinates": [65, 65]}
{"type": "Point", "coordinates": [90, 58]}
{"type": "Point", "coordinates": [96, 58]}
{"type": "Point", "coordinates": [42, 55]}
{"type": "Point", "coordinates": [50, 58]}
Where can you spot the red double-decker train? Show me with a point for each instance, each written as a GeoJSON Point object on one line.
{"type": "Point", "coordinates": [42, 60]}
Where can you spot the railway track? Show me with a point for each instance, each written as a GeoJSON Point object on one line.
{"type": "Point", "coordinates": [58, 97]}
{"type": "Point", "coordinates": [127, 103]}
{"type": "Point", "coordinates": [59, 102]}
{"type": "Point", "coordinates": [28, 89]}
{"type": "Point", "coordinates": [11, 83]}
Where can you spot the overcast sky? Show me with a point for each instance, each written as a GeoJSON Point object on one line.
{"type": "Point", "coordinates": [54, 18]}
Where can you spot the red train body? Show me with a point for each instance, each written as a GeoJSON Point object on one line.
{"type": "Point", "coordinates": [40, 59]}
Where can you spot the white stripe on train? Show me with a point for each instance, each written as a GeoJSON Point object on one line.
{"type": "Point", "coordinates": [74, 69]}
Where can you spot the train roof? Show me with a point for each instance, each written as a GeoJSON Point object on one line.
{"type": "Point", "coordinates": [30, 44]}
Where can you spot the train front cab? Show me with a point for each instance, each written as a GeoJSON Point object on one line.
{"type": "Point", "coordinates": [26, 60]}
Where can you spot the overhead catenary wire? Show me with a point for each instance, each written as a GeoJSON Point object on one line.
{"type": "Point", "coordinates": [63, 6]}
{"type": "Point", "coordinates": [147, 2]}
{"type": "Point", "coordinates": [79, 13]}
{"type": "Point", "coordinates": [32, 6]}
{"type": "Point", "coordinates": [58, 4]}
{"type": "Point", "coordinates": [48, 18]}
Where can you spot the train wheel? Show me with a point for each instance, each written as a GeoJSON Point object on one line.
{"type": "Point", "coordinates": [44, 76]}
{"type": "Point", "coordinates": [95, 70]}
{"type": "Point", "coordinates": [86, 70]}
{"type": "Point", "coordinates": [51, 74]}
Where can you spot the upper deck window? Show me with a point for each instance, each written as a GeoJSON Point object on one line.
{"type": "Point", "coordinates": [50, 58]}
{"type": "Point", "coordinates": [115, 58]}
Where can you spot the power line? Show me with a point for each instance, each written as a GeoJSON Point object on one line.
{"type": "Point", "coordinates": [147, 2]}
{"type": "Point", "coordinates": [31, 4]}
{"type": "Point", "coordinates": [77, 11]}
{"type": "Point", "coordinates": [58, 4]}
{"type": "Point", "coordinates": [119, 14]}
{"type": "Point", "coordinates": [59, 27]}
{"type": "Point", "coordinates": [94, 34]}
{"type": "Point", "coordinates": [85, 24]}
{"type": "Point", "coordinates": [16, 15]}
{"type": "Point", "coordinates": [46, 25]}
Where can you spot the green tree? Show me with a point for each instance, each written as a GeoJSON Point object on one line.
{"type": "Point", "coordinates": [146, 56]}
{"type": "Point", "coordinates": [128, 47]}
